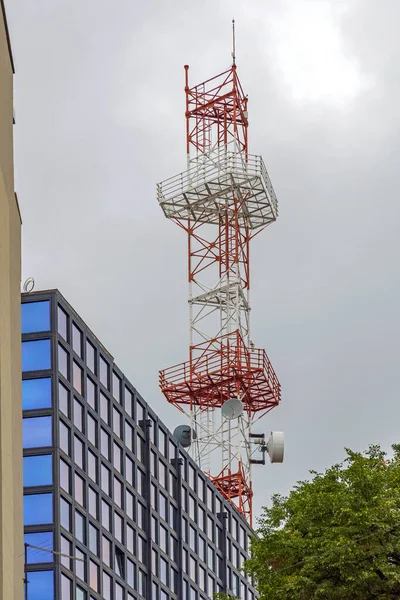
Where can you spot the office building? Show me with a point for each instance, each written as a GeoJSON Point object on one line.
{"type": "Point", "coordinates": [11, 526]}
{"type": "Point", "coordinates": [114, 510]}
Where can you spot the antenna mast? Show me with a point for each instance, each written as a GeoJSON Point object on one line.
{"type": "Point", "coordinates": [223, 199]}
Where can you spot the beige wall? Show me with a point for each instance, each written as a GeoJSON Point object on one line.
{"type": "Point", "coordinates": [11, 521]}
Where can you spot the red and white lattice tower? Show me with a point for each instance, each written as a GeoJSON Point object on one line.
{"type": "Point", "coordinates": [223, 199]}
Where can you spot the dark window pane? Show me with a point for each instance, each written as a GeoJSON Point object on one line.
{"type": "Point", "coordinates": [42, 540]}
{"type": "Point", "coordinates": [129, 402]}
{"type": "Point", "coordinates": [90, 356]}
{"type": "Point", "coordinates": [117, 422]}
{"type": "Point", "coordinates": [104, 372]}
{"type": "Point", "coordinates": [93, 539]}
{"type": "Point", "coordinates": [130, 536]}
{"type": "Point", "coordinates": [38, 470]}
{"type": "Point", "coordinates": [41, 585]}
{"type": "Point", "coordinates": [77, 340]}
{"type": "Point", "coordinates": [77, 377]}
{"type": "Point", "coordinates": [38, 509]}
{"type": "Point", "coordinates": [62, 322]}
{"type": "Point", "coordinates": [118, 487]}
{"type": "Point", "coordinates": [63, 361]}
{"type": "Point", "coordinates": [36, 393]}
{"type": "Point", "coordinates": [65, 438]}
{"type": "Point", "coordinates": [91, 393]}
{"type": "Point", "coordinates": [117, 457]}
{"type": "Point", "coordinates": [65, 476]}
{"type": "Point", "coordinates": [35, 316]}
{"type": "Point", "coordinates": [105, 444]}
{"type": "Point", "coordinates": [65, 514]}
{"type": "Point", "coordinates": [36, 432]}
{"type": "Point", "coordinates": [36, 355]}
{"type": "Point", "coordinates": [78, 452]}
{"type": "Point", "coordinates": [116, 387]}
{"type": "Point", "coordinates": [128, 436]}
{"type": "Point", "coordinates": [105, 514]}
{"type": "Point", "coordinates": [63, 399]}
{"type": "Point", "coordinates": [118, 527]}
{"type": "Point", "coordinates": [105, 480]}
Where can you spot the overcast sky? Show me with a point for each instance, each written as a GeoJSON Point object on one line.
{"type": "Point", "coordinates": [99, 108]}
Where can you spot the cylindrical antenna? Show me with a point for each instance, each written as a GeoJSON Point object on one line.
{"type": "Point", "coordinates": [233, 43]}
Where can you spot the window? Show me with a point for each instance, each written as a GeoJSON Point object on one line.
{"type": "Point", "coordinates": [105, 444]}
{"type": "Point", "coordinates": [65, 476]}
{"type": "Point", "coordinates": [154, 562]}
{"type": "Point", "coordinates": [66, 587]}
{"type": "Point", "coordinates": [80, 594]}
{"type": "Point", "coordinates": [192, 568]}
{"type": "Point", "coordinates": [163, 539]}
{"type": "Point", "coordinates": [118, 527]}
{"type": "Point", "coordinates": [162, 474]}
{"type": "Point", "coordinates": [41, 585]}
{"type": "Point", "coordinates": [141, 512]}
{"type": "Point", "coordinates": [106, 586]}
{"type": "Point", "coordinates": [140, 448]}
{"type": "Point", "coordinates": [63, 361]}
{"type": "Point", "coordinates": [116, 387]}
{"type": "Point", "coordinates": [91, 393]}
{"type": "Point", "coordinates": [93, 539]}
{"type": "Point", "coordinates": [117, 457]}
{"type": "Point", "coordinates": [63, 399]}
{"type": "Point", "coordinates": [36, 393]}
{"type": "Point", "coordinates": [106, 550]}
{"type": "Point", "coordinates": [35, 316]}
{"type": "Point", "coordinates": [202, 548]}
{"type": "Point", "coordinates": [65, 438]}
{"type": "Point", "coordinates": [38, 470]}
{"type": "Point", "coordinates": [36, 355]}
{"type": "Point", "coordinates": [192, 477]}
{"type": "Point", "coordinates": [129, 402]}
{"type": "Point", "coordinates": [38, 509]}
{"type": "Point", "coordinates": [119, 562]}
{"type": "Point", "coordinates": [92, 466]}
{"type": "Point", "coordinates": [129, 470]}
{"type": "Point", "coordinates": [93, 503]}
{"type": "Point", "coordinates": [163, 570]}
{"type": "Point", "coordinates": [130, 536]}
{"type": "Point", "coordinates": [105, 479]}
{"type": "Point", "coordinates": [202, 578]}
{"type": "Point", "coordinates": [117, 422]}
{"type": "Point", "coordinates": [80, 527]}
{"type": "Point", "coordinates": [209, 499]}
{"type": "Point", "coordinates": [94, 575]}
{"type": "Point", "coordinates": [118, 490]}
{"type": "Point", "coordinates": [62, 323]}
{"type": "Point", "coordinates": [139, 412]}
{"type": "Point", "coordinates": [119, 592]}
{"type": "Point", "coordinates": [78, 451]}
{"type": "Point", "coordinates": [154, 529]}
{"type": "Point", "coordinates": [65, 549]}
{"type": "Point", "coordinates": [106, 515]}
{"type": "Point", "coordinates": [77, 377]}
{"type": "Point", "coordinates": [104, 372]}
{"type": "Point", "coordinates": [78, 415]}
{"type": "Point", "coordinates": [141, 547]}
{"type": "Point", "coordinates": [91, 430]}
{"type": "Point", "coordinates": [90, 356]}
{"type": "Point", "coordinates": [140, 478]}
{"type": "Point", "coordinates": [41, 540]}
{"type": "Point", "coordinates": [129, 504]}
{"type": "Point", "coordinates": [142, 583]}
{"type": "Point", "coordinates": [153, 496]}
{"type": "Point", "coordinates": [104, 408]}
{"type": "Point", "coordinates": [130, 573]}
{"type": "Point", "coordinates": [128, 436]}
{"type": "Point", "coordinates": [192, 538]}
{"type": "Point", "coordinates": [77, 340]}
{"type": "Point", "coordinates": [192, 508]}
{"type": "Point", "coordinates": [79, 490]}
{"type": "Point", "coordinates": [163, 506]}
{"type": "Point", "coordinates": [65, 514]}
{"type": "Point", "coordinates": [36, 432]}
{"type": "Point", "coordinates": [153, 463]}
{"type": "Point", "coordinates": [201, 518]}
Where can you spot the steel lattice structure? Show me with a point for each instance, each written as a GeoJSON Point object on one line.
{"type": "Point", "coordinates": [223, 199]}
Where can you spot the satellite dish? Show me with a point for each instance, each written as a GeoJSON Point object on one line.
{"type": "Point", "coordinates": [275, 446]}
{"type": "Point", "coordinates": [232, 408]}
{"type": "Point", "coordinates": [184, 435]}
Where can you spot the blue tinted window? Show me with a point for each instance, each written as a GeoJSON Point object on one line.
{"type": "Point", "coordinates": [36, 432]}
{"type": "Point", "coordinates": [38, 509]}
{"type": "Point", "coordinates": [41, 585]}
{"type": "Point", "coordinates": [36, 393]}
{"type": "Point", "coordinates": [38, 470]}
{"type": "Point", "coordinates": [36, 355]}
{"type": "Point", "coordinates": [35, 316]}
{"type": "Point", "coordinates": [42, 540]}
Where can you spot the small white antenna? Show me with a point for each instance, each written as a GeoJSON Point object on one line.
{"type": "Point", "coordinates": [29, 285]}
{"type": "Point", "coordinates": [233, 43]}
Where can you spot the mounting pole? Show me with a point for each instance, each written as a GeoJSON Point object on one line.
{"type": "Point", "coordinates": [26, 570]}
{"type": "Point", "coordinates": [233, 43]}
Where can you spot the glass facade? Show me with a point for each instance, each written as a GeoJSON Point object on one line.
{"type": "Point", "coordinates": [105, 484]}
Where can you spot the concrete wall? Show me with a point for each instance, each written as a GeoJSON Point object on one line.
{"type": "Point", "coordinates": [11, 518]}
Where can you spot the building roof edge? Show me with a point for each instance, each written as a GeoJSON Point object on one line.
{"type": "Point", "coordinates": [3, 10]}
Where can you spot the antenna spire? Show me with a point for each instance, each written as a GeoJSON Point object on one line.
{"type": "Point", "coordinates": [233, 43]}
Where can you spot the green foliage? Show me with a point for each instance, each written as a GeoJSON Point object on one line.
{"type": "Point", "coordinates": [224, 596]}
{"type": "Point", "coordinates": [336, 537]}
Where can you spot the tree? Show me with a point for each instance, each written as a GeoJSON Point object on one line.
{"type": "Point", "coordinates": [224, 596]}
{"type": "Point", "coordinates": [336, 537]}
